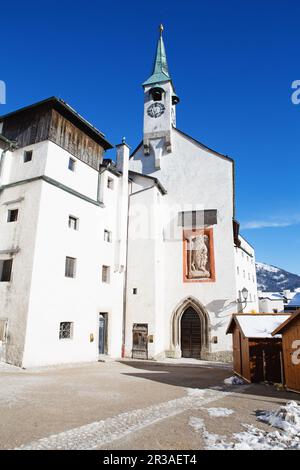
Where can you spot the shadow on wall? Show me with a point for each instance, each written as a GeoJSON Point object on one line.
{"type": "Point", "coordinates": [218, 309]}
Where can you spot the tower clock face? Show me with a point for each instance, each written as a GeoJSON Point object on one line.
{"type": "Point", "coordinates": [155, 110]}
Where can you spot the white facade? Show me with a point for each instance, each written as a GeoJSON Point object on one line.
{"type": "Point", "coordinates": [40, 296]}
{"type": "Point", "coordinates": [271, 302]}
{"type": "Point", "coordinates": [246, 276]}
{"type": "Point", "coordinates": [152, 238]}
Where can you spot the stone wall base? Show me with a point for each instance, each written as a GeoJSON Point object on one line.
{"type": "Point", "coordinates": [217, 356]}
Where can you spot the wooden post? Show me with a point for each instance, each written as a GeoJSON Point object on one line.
{"type": "Point", "coordinates": [282, 369]}
{"type": "Point", "coordinates": [264, 365]}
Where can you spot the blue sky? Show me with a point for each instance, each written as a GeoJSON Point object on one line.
{"type": "Point", "coordinates": [232, 64]}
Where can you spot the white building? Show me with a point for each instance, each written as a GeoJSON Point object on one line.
{"type": "Point", "coordinates": [276, 301]}
{"type": "Point", "coordinates": [246, 276]}
{"type": "Point", "coordinates": [136, 258]}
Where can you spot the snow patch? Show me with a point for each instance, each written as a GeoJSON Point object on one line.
{"type": "Point", "coordinates": [286, 418]}
{"type": "Point", "coordinates": [219, 412]}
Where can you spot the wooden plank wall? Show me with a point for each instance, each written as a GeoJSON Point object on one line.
{"type": "Point", "coordinates": [70, 138]}
{"type": "Point", "coordinates": [41, 124]}
{"type": "Point", "coordinates": [291, 369]}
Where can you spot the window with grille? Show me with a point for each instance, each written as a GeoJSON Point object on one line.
{"type": "Point", "coordinates": [66, 330]}
{"type": "Point", "coordinates": [106, 274]}
{"type": "Point", "coordinates": [5, 270]}
{"type": "Point", "coordinates": [27, 157]}
{"type": "Point", "coordinates": [70, 268]}
{"type": "Point", "coordinates": [12, 215]}
{"type": "Point", "coordinates": [107, 236]}
{"type": "Point", "coordinates": [72, 164]}
{"type": "Point", "coordinates": [73, 222]}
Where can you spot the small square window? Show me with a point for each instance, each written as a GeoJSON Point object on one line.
{"type": "Point", "coordinates": [72, 164]}
{"type": "Point", "coordinates": [27, 157]}
{"type": "Point", "coordinates": [110, 183]}
{"type": "Point", "coordinates": [107, 236]}
{"type": "Point", "coordinates": [70, 267]}
{"type": "Point", "coordinates": [73, 222]}
{"type": "Point", "coordinates": [106, 274]}
{"type": "Point", "coordinates": [5, 270]}
{"type": "Point", "coordinates": [12, 215]}
{"type": "Point", "coordinates": [134, 291]}
{"type": "Point", "coordinates": [66, 330]}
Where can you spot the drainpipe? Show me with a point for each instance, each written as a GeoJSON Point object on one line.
{"type": "Point", "coordinates": [123, 151]}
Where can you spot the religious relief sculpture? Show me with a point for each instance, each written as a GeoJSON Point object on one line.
{"type": "Point", "coordinates": [198, 259]}
{"type": "Point", "coordinates": [199, 265]}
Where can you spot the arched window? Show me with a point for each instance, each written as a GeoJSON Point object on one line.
{"type": "Point", "coordinates": [156, 93]}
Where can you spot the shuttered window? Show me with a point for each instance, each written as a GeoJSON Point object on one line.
{"type": "Point", "coordinates": [70, 268]}
{"type": "Point", "coordinates": [106, 274]}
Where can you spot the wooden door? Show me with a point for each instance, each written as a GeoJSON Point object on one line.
{"type": "Point", "coordinates": [103, 326]}
{"type": "Point", "coordinates": [190, 334]}
{"type": "Point", "coordinates": [237, 353]}
{"type": "Point", "coordinates": [140, 341]}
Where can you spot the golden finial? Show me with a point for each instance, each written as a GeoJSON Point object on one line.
{"type": "Point", "coordinates": [161, 28]}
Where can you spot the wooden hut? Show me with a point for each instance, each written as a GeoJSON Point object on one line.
{"type": "Point", "coordinates": [256, 353]}
{"type": "Point", "coordinates": [290, 331]}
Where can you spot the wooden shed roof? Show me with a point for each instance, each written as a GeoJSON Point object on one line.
{"type": "Point", "coordinates": [286, 323]}
{"type": "Point", "coordinates": [256, 325]}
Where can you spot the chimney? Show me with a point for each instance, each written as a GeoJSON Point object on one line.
{"type": "Point", "coordinates": [123, 157]}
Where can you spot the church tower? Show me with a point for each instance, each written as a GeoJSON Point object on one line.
{"type": "Point", "coordinates": [160, 102]}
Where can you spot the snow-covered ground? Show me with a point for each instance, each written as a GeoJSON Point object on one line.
{"type": "Point", "coordinates": [284, 433]}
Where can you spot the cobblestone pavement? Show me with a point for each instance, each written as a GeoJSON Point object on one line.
{"type": "Point", "coordinates": [125, 405]}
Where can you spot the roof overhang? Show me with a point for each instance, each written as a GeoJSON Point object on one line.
{"type": "Point", "coordinates": [288, 321]}
{"type": "Point", "coordinates": [69, 113]}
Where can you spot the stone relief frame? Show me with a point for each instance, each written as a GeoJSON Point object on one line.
{"type": "Point", "coordinates": [198, 255]}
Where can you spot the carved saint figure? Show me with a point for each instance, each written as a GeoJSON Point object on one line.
{"type": "Point", "coordinates": [199, 256]}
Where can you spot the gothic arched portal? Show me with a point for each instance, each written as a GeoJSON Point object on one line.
{"type": "Point", "coordinates": [190, 329]}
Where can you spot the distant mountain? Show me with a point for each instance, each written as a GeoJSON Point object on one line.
{"type": "Point", "coordinates": [272, 279]}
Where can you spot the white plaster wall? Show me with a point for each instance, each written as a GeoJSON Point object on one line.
{"type": "Point", "coordinates": [145, 269]}
{"type": "Point", "coordinates": [39, 296]}
{"type": "Point", "coordinates": [55, 298]}
{"type": "Point", "coordinates": [17, 170]}
{"type": "Point", "coordinates": [14, 295]}
{"type": "Point", "coordinates": [268, 306]}
{"type": "Point", "coordinates": [84, 179]}
{"type": "Point", "coordinates": [195, 179]}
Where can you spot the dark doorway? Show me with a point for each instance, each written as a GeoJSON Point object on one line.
{"type": "Point", "coordinates": [190, 334]}
{"type": "Point", "coordinates": [103, 326]}
{"type": "Point", "coordinates": [140, 341]}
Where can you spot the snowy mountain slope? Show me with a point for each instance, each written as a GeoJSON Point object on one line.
{"type": "Point", "coordinates": [272, 279]}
